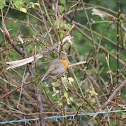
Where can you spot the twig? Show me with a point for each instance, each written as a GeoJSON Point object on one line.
{"type": "Point", "coordinates": [113, 94]}
{"type": "Point", "coordinates": [90, 26]}
{"type": "Point", "coordinates": [42, 16]}
{"type": "Point", "coordinates": [101, 47]}
{"type": "Point", "coordinates": [23, 80]}
{"type": "Point", "coordinates": [78, 63]}
{"type": "Point", "coordinates": [118, 38]}
{"type": "Point", "coordinates": [21, 52]}
{"type": "Point", "coordinates": [8, 93]}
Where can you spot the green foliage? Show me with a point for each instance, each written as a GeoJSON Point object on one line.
{"type": "Point", "coordinates": [33, 4]}
{"type": "Point", "coordinates": [2, 3]}
{"type": "Point", "coordinates": [76, 91]}
{"type": "Point", "coordinates": [63, 2]}
{"type": "Point", "coordinates": [17, 3]}
{"type": "Point", "coordinates": [61, 8]}
{"type": "Point", "coordinates": [62, 28]}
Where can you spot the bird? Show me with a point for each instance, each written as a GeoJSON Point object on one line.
{"type": "Point", "coordinates": [57, 66]}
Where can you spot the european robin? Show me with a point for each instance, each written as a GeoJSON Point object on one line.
{"type": "Point", "coordinates": [57, 66]}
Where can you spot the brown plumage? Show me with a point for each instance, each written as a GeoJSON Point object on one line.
{"type": "Point", "coordinates": [57, 66]}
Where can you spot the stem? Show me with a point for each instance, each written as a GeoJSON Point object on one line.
{"type": "Point", "coordinates": [88, 22]}
{"type": "Point", "coordinates": [118, 39]}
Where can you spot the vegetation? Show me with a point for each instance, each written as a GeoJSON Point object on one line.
{"type": "Point", "coordinates": [92, 34]}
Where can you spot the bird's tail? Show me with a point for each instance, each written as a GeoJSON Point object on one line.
{"type": "Point", "coordinates": [44, 76]}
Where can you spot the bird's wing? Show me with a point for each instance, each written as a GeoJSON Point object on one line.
{"type": "Point", "coordinates": [51, 67]}
{"type": "Point", "coordinates": [54, 66]}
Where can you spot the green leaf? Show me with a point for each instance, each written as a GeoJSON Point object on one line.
{"type": "Point", "coordinates": [66, 95]}
{"type": "Point", "coordinates": [123, 115]}
{"type": "Point", "coordinates": [54, 89]}
{"type": "Point", "coordinates": [67, 45]}
{"type": "Point", "coordinates": [93, 101]}
{"type": "Point", "coordinates": [32, 4]}
{"type": "Point", "coordinates": [63, 1]}
{"type": "Point", "coordinates": [54, 94]}
{"type": "Point", "coordinates": [121, 15]}
{"type": "Point", "coordinates": [2, 3]}
{"type": "Point", "coordinates": [59, 103]}
{"type": "Point", "coordinates": [61, 8]}
{"type": "Point", "coordinates": [23, 10]}
{"type": "Point", "coordinates": [61, 35]}
{"type": "Point", "coordinates": [55, 84]}
{"type": "Point", "coordinates": [71, 99]}
{"type": "Point", "coordinates": [68, 101]}
{"type": "Point", "coordinates": [14, 1]}
{"type": "Point", "coordinates": [57, 91]}
{"type": "Point", "coordinates": [93, 93]}
{"type": "Point", "coordinates": [18, 3]}
{"type": "Point", "coordinates": [37, 4]}
{"type": "Point", "coordinates": [56, 23]}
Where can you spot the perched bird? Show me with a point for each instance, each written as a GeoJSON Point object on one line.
{"type": "Point", "coordinates": [57, 66]}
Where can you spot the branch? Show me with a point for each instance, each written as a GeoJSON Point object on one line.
{"type": "Point", "coordinates": [89, 38]}
{"type": "Point", "coordinates": [21, 52]}
{"type": "Point", "coordinates": [114, 93]}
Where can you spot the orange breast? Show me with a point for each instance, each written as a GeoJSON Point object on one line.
{"type": "Point", "coordinates": [65, 62]}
